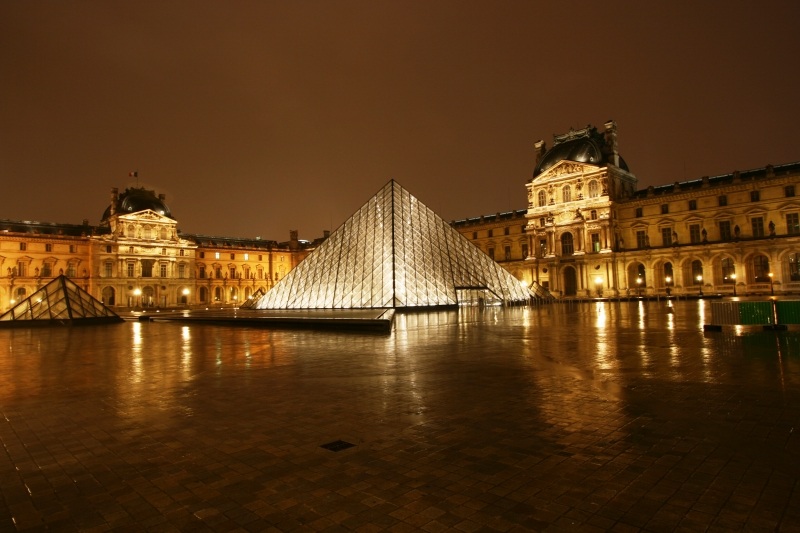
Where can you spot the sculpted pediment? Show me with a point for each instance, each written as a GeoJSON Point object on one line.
{"type": "Point", "coordinates": [147, 216]}
{"type": "Point", "coordinates": [566, 168]}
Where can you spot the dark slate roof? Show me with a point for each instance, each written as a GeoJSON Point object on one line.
{"type": "Point", "coordinates": [583, 146]}
{"type": "Point", "coordinates": [134, 200]}
{"type": "Point", "coordinates": [50, 228]}
{"type": "Point", "coordinates": [723, 179]}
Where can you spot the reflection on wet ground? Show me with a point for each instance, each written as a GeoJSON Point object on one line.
{"type": "Point", "coordinates": [593, 416]}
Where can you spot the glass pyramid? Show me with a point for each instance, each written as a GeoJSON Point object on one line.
{"type": "Point", "coordinates": [394, 252]}
{"type": "Point", "coordinates": [61, 300]}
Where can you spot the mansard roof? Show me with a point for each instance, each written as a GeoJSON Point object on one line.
{"type": "Point", "coordinates": [586, 145]}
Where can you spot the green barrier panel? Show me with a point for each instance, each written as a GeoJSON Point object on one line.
{"type": "Point", "coordinates": [754, 313]}
{"type": "Point", "coordinates": [788, 312]}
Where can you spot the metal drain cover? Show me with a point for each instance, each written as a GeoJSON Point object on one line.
{"type": "Point", "coordinates": [337, 445]}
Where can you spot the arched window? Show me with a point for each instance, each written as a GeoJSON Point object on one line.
{"type": "Point", "coordinates": [594, 189]}
{"type": "Point", "coordinates": [541, 199]}
{"type": "Point", "coordinates": [202, 294]}
{"type": "Point", "coordinates": [566, 194]}
{"type": "Point", "coordinates": [761, 269]}
{"type": "Point", "coordinates": [567, 244]}
{"type": "Point", "coordinates": [217, 294]}
{"type": "Point", "coordinates": [697, 272]}
{"type": "Point", "coordinates": [669, 277]}
{"type": "Point", "coordinates": [728, 271]}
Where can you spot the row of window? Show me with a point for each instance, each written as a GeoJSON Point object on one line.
{"type": "Point", "coordinates": [245, 256]}
{"type": "Point", "coordinates": [507, 253]}
{"type": "Point", "coordinates": [592, 190]}
{"type": "Point", "coordinates": [693, 275]}
{"type": "Point", "coordinates": [490, 232]}
{"type": "Point", "coordinates": [722, 201]}
{"type": "Point", "coordinates": [48, 247]}
{"type": "Point", "coordinates": [697, 235]}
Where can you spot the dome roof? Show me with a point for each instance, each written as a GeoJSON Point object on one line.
{"type": "Point", "coordinates": [135, 200]}
{"type": "Point", "coordinates": [582, 150]}
{"type": "Point", "coordinates": [584, 146]}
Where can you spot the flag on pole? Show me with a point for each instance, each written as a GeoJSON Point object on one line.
{"type": "Point", "coordinates": [134, 174]}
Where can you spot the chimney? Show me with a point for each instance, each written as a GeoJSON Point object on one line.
{"type": "Point", "coordinates": [611, 142]}
{"type": "Point", "coordinates": [539, 148]}
{"type": "Point", "coordinates": [114, 198]}
{"type": "Point", "coordinates": [326, 233]}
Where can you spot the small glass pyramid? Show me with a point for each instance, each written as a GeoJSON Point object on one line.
{"type": "Point", "coordinates": [60, 301]}
{"type": "Point", "coordinates": [394, 252]}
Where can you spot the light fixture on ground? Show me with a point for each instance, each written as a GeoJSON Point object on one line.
{"type": "Point", "coordinates": [700, 282]}
{"type": "Point", "coordinates": [598, 284]}
{"type": "Point", "coordinates": [667, 281]}
{"type": "Point", "coordinates": [771, 286]}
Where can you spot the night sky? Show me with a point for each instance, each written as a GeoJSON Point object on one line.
{"type": "Point", "coordinates": [259, 117]}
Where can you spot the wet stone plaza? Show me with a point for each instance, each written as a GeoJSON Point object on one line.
{"type": "Point", "coordinates": [611, 416]}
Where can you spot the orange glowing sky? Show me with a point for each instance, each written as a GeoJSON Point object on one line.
{"type": "Point", "coordinates": [259, 117]}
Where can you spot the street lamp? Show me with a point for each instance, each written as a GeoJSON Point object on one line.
{"type": "Point", "coordinates": [136, 293]}
{"type": "Point", "coordinates": [667, 281]}
{"type": "Point", "coordinates": [700, 282]}
{"type": "Point", "coordinates": [598, 283]}
{"type": "Point", "coordinates": [771, 286]}
{"type": "Point", "coordinates": [185, 295]}
{"type": "Point", "coordinates": [733, 277]}
{"type": "Point", "coordinates": [639, 287]}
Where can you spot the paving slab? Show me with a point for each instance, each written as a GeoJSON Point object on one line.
{"type": "Point", "coordinates": [607, 416]}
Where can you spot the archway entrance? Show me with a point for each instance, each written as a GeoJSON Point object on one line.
{"type": "Point", "coordinates": [570, 281]}
{"type": "Point", "coordinates": [109, 296]}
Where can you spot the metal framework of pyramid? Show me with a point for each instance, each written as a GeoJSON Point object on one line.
{"type": "Point", "coordinates": [394, 252]}
{"type": "Point", "coordinates": [62, 302]}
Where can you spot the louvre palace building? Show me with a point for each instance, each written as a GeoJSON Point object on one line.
{"type": "Point", "coordinates": [136, 257]}
{"type": "Point", "coordinates": [589, 231]}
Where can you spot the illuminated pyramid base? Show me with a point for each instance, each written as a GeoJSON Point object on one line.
{"type": "Point", "coordinates": [59, 302]}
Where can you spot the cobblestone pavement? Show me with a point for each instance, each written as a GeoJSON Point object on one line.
{"type": "Point", "coordinates": [586, 417]}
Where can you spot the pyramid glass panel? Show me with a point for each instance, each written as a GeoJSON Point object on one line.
{"type": "Point", "coordinates": [393, 252]}
{"type": "Point", "coordinates": [60, 300]}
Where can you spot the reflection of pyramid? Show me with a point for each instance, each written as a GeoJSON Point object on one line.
{"type": "Point", "coordinates": [60, 301]}
{"type": "Point", "coordinates": [393, 252]}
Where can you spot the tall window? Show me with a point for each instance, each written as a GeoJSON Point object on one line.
{"type": "Point", "coordinates": [794, 267]}
{"type": "Point", "coordinates": [541, 199]}
{"type": "Point", "coordinates": [595, 242]}
{"type": "Point", "coordinates": [542, 247]}
{"type": "Point", "coordinates": [593, 214]}
{"type": "Point", "coordinates": [130, 270]}
{"type": "Point", "coordinates": [567, 247]}
{"type": "Point", "coordinates": [666, 236]}
{"type": "Point", "coordinates": [163, 271]}
{"type": "Point", "coordinates": [792, 223]}
{"type": "Point", "coordinates": [233, 272]}
{"type": "Point", "coordinates": [524, 250]}
{"type": "Point", "coordinates": [757, 224]}
{"type": "Point", "coordinates": [594, 189]}
{"type": "Point", "coordinates": [109, 266]}
{"type": "Point", "coordinates": [761, 269]}
{"type": "Point", "coordinates": [181, 270]}
{"type": "Point", "coordinates": [694, 233]}
{"type": "Point", "coordinates": [641, 239]}
{"type": "Point", "coordinates": [21, 270]}
{"type": "Point", "coordinates": [566, 194]}
{"type": "Point", "coordinates": [147, 268]}
{"type": "Point", "coordinates": [507, 251]}
{"type": "Point", "coordinates": [725, 230]}
{"type": "Point", "coordinates": [202, 272]}
{"type": "Point", "coordinates": [491, 253]}
{"type": "Point", "coordinates": [71, 270]}
{"type": "Point", "coordinates": [728, 271]}
{"type": "Point", "coordinates": [697, 272]}
{"type": "Point", "coordinates": [47, 270]}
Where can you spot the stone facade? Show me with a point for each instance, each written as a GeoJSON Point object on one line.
{"type": "Point", "coordinates": [590, 232]}
{"type": "Point", "coordinates": [137, 257]}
